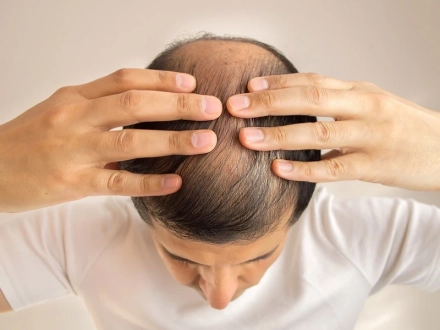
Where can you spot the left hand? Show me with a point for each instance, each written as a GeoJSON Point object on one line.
{"type": "Point", "coordinates": [376, 136]}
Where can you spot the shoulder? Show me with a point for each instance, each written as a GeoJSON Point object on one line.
{"type": "Point", "coordinates": [325, 206]}
{"type": "Point", "coordinates": [346, 221]}
{"type": "Point", "coordinates": [91, 216]}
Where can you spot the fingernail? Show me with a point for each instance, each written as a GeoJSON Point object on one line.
{"type": "Point", "coordinates": [259, 84]}
{"type": "Point", "coordinates": [170, 182]}
{"type": "Point", "coordinates": [284, 166]}
{"type": "Point", "coordinates": [202, 139]}
{"type": "Point", "coordinates": [253, 134]}
{"type": "Point", "coordinates": [239, 102]}
{"type": "Point", "coordinates": [211, 105]}
{"type": "Point", "coordinates": [185, 81]}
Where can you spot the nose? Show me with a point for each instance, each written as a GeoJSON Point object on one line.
{"type": "Point", "coordinates": [219, 286]}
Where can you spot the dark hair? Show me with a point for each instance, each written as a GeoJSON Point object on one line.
{"type": "Point", "coordinates": [229, 195]}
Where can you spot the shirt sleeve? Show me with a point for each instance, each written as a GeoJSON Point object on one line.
{"type": "Point", "coordinates": [390, 240]}
{"type": "Point", "coordinates": [44, 254]}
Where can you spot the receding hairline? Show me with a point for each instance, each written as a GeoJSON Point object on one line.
{"type": "Point", "coordinates": [223, 46]}
{"type": "Point", "coordinates": [261, 51]}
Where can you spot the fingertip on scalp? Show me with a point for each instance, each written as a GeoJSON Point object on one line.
{"type": "Point", "coordinates": [185, 81]}
{"type": "Point", "coordinates": [238, 103]}
{"type": "Point", "coordinates": [282, 168]}
{"type": "Point", "coordinates": [258, 84]}
{"type": "Point", "coordinates": [172, 182]}
{"type": "Point", "coordinates": [243, 140]}
{"type": "Point", "coordinates": [206, 140]}
{"type": "Point", "coordinates": [212, 106]}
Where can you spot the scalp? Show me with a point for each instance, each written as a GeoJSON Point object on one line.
{"type": "Point", "coordinates": [229, 194]}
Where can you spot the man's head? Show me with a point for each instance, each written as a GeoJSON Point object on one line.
{"type": "Point", "coordinates": [231, 208]}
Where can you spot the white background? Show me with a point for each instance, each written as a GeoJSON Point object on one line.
{"type": "Point", "coordinates": [395, 44]}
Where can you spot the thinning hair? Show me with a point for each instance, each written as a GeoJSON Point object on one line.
{"type": "Point", "coordinates": [229, 195]}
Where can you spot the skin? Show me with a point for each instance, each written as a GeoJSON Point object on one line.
{"type": "Point", "coordinates": [62, 149]}
{"type": "Point", "coordinates": [76, 155]}
{"type": "Point", "coordinates": [222, 272]}
{"type": "Point", "coordinates": [375, 137]}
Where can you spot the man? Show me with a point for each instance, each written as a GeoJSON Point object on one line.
{"type": "Point", "coordinates": [317, 273]}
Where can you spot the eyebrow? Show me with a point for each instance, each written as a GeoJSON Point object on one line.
{"type": "Point", "coordinates": [176, 257]}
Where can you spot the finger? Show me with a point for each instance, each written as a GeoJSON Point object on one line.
{"type": "Point", "coordinates": [303, 100]}
{"type": "Point", "coordinates": [130, 143]}
{"type": "Point", "coordinates": [137, 79]}
{"type": "Point", "coordinates": [139, 106]}
{"type": "Point", "coordinates": [109, 182]}
{"type": "Point", "coordinates": [319, 135]}
{"type": "Point", "coordinates": [316, 80]}
{"type": "Point", "coordinates": [347, 167]}
{"type": "Point", "coordinates": [297, 79]}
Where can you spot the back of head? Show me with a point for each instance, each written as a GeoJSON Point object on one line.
{"type": "Point", "coordinates": [229, 195]}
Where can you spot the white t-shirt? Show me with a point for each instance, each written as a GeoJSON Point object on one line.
{"type": "Point", "coordinates": [337, 254]}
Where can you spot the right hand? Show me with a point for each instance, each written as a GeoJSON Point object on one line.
{"type": "Point", "coordinates": [62, 149]}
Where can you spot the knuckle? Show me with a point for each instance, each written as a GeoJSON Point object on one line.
{"type": "Point", "coordinates": [184, 104]}
{"type": "Point", "coordinates": [315, 95]}
{"type": "Point", "coordinates": [279, 134]}
{"type": "Point", "coordinates": [125, 141]}
{"type": "Point", "coordinates": [62, 179]}
{"type": "Point", "coordinates": [163, 78]}
{"type": "Point", "coordinates": [314, 78]}
{"type": "Point", "coordinates": [324, 131]}
{"type": "Point", "coordinates": [266, 99]}
{"type": "Point", "coordinates": [57, 115]}
{"type": "Point", "coordinates": [122, 77]}
{"type": "Point", "coordinates": [280, 81]}
{"type": "Point", "coordinates": [96, 183]}
{"type": "Point", "coordinates": [379, 103]}
{"type": "Point", "coordinates": [174, 142]}
{"type": "Point", "coordinates": [148, 184]}
{"type": "Point", "coordinates": [131, 100]}
{"type": "Point", "coordinates": [307, 170]}
{"type": "Point", "coordinates": [66, 90]}
{"type": "Point", "coordinates": [116, 182]}
{"type": "Point", "coordinates": [335, 168]}
{"type": "Point", "coordinates": [384, 101]}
